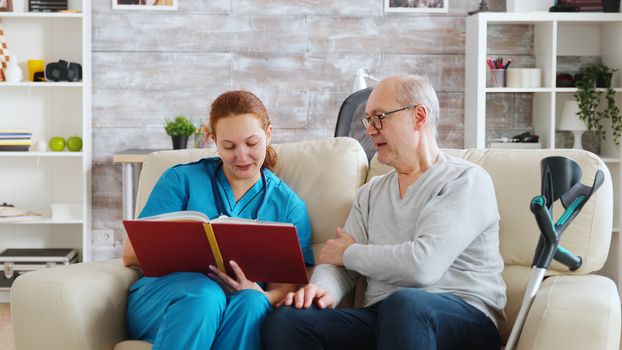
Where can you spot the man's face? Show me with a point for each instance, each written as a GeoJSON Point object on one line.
{"type": "Point", "coordinates": [396, 137]}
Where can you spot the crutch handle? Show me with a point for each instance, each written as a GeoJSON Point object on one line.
{"type": "Point", "coordinates": [568, 258]}
{"type": "Point", "coordinates": [543, 219]}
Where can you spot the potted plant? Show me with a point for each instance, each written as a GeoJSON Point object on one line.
{"type": "Point", "coordinates": [179, 129]}
{"type": "Point", "coordinates": [588, 98]}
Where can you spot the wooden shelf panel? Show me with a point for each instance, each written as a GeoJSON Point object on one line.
{"type": "Point", "coordinates": [40, 15]}
{"type": "Point", "coordinates": [43, 221]}
{"type": "Point", "coordinates": [42, 84]}
{"type": "Point", "coordinates": [42, 154]}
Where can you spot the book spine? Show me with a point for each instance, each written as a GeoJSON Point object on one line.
{"type": "Point", "coordinates": [15, 142]}
{"type": "Point", "coordinates": [13, 148]}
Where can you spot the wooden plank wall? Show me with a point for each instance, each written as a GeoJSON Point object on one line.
{"type": "Point", "coordinates": [298, 56]}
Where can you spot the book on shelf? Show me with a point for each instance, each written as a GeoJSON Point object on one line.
{"type": "Point", "coordinates": [15, 135]}
{"type": "Point", "coordinates": [9, 213]}
{"type": "Point", "coordinates": [190, 241]}
{"type": "Point", "coordinates": [15, 131]}
{"type": "Point", "coordinates": [14, 148]}
{"type": "Point", "coordinates": [47, 5]}
{"type": "Point", "coordinates": [14, 142]}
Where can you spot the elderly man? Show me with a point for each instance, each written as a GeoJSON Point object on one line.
{"type": "Point", "coordinates": [425, 236]}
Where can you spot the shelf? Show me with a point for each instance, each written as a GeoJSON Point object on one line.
{"type": "Point", "coordinates": [45, 84]}
{"type": "Point", "coordinates": [42, 154]}
{"type": "Point", "coordinates": [530, 18]}
{"type": "Point", "coordinates": [515, 90]}
{"type": "Point", "coordinates": [40, 15]}
{"type": "Point", "coordinates": [527, 90]}
{"type": "Point", "coordinates": [43, 221]}
{"type": "Point", "coordinates": [574, 89]}
{"type": "Point", "coordinates": [554, 43]}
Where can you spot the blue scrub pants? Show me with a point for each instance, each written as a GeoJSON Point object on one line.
{"type": "Point", "coordinates": [408, 319]}
{"type": "Point", "coordinates": [188, 310]}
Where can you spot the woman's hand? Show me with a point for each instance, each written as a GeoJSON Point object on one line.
{"type": "Point", "coordinates": [307, 295]}
{"type": "Point", "coordinates": [129, 256]}
{"type": "Point", "coordinates": [233, 285]}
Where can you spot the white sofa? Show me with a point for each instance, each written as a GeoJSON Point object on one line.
{"type": "Point", "coordinates": [83, 306]}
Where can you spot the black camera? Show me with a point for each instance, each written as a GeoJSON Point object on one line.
{"type": "Point", "coordinates": [63, 71]}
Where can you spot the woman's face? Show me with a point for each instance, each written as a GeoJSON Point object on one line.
{"type": "Point", "coordinates": [241, 142]}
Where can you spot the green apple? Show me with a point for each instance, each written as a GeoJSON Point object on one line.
{"type": "Point", "coordinates": [57, 144]}
{"type": "Point", "coordinates": [74, 143]}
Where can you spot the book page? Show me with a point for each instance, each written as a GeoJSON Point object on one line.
{"type": "Point", "coordinates": [224, 219]}
{"type": "Point", "coordinates": [178, 216]}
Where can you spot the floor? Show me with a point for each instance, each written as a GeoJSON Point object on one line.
{"type": "Point", "coordinates": [6, 330]}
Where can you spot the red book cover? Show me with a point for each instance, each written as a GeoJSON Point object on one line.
{"type": "Point", "coordinates": [266, 252]}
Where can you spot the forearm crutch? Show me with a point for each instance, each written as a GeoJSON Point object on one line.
{"type": "Point", "coordinates": [560, 179]}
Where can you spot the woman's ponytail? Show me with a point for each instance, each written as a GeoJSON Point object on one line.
{"type": "Point", "coordinates": [271, 158]}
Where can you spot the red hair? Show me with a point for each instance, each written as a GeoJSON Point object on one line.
{"type": "Point", "coordinates": [234, 103]}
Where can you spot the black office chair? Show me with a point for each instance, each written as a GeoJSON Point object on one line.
{"type": "Point", "coordinates": [349, 120]}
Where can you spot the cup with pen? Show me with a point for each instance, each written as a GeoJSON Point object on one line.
{"type": "Point", "coordinates": [497, 71]}
{"type": "Point", "coordinates": [202, 136]}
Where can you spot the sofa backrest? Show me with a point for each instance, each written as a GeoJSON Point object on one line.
{"type": "Point", "coordinates": [516, 177]}
{"type": "Point", "coordinates": [324, 173]}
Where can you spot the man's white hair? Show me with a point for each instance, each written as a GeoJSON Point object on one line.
{"type": "Point", "coordinates": [416, 89]}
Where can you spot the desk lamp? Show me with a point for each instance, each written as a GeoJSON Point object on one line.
{"type": "Point", "coordinates": [360, 81]}
{"type": "Point", "coordinates": [570, 121]}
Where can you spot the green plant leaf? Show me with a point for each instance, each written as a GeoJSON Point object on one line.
{"type": "Point", "coordinates": [588, 98]}
{"type": "Point", "coordinates": [180, 126]}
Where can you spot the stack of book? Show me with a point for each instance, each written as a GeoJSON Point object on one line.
{"type": "Point", "coordinates": [47, 5]}
{"type": "Point", "coordinates": [12, 140]}
{"type": "Point", "coordinates": [8, 212]}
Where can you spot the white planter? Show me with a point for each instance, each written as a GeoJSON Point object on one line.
{"type": "Point", "coordinates": [528, 5]}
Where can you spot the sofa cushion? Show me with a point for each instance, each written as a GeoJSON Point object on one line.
{"type": "Point", "coordinates": [569, 302]}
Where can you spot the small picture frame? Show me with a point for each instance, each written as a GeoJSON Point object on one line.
{"type": "Point", "coordinates": [415, 6]}
{"type": "Point", "coordinates": [6, 5]}
{"type": "Point", "coordinates": [149, 5]}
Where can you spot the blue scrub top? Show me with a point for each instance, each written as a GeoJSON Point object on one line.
{"type": "Point", "coordinates": [189, 187]}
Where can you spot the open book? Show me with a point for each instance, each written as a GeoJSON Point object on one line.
{"type": "Point", "coordinates": [189, 241]}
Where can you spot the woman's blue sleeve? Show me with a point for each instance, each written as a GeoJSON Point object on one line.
{"type": "Point", "coordinates": [167, 196]}
{"type": "Point", "coordinates": [299, 217]}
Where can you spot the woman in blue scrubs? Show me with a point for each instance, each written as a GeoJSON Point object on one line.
{"type": "Point", "coordinates": [188, 310]}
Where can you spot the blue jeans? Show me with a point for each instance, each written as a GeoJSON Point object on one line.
{"type": "Point", "coordinates": [408, 319]}
{"type": "Point", "coordinates": [187, 310]}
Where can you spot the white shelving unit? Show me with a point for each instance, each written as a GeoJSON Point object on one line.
{"type": "Point", "coordinates": [555, 35]}
{"type": "Point", "coordinates": [35, 180]}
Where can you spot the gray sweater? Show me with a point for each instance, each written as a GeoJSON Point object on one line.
{"type": "Point", "coordinates": [443, 236]}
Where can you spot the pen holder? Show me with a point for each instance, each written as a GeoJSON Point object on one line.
{"type": "Point", "coordinates": [496, 78]}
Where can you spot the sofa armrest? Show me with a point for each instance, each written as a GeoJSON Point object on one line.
{"type": "Point", "coordinates": [573, 312]}
{"type": "Point", "coordinates": [79, 306]}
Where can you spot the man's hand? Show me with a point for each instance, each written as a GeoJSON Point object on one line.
{"type": "Point", "coordinates": [233, 285]}
{"type": "Point", "coordinates": [332, 252]}
{"type": "Point", "coordinates": [306, 296]}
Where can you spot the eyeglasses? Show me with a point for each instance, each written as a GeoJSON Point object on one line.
{"type": "Point", "coordinates": [376, 119]}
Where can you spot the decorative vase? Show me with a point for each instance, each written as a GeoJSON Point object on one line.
{"type": "Point", "coordinates": [13, 73]}
{"type": "Point", "coordinates": [180, 142]}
